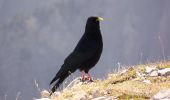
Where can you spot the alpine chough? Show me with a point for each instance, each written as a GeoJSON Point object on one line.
{"type": "Point", "coordinates": [85, 55]}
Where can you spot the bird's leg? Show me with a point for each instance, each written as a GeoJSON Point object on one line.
{"type": "Point", "coordinates": [89, 77]}
{"type": "Point", "coordinates": [82, 74]}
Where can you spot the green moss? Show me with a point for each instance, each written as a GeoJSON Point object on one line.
{"type": "Point", "coordinates": [132, 73]}
{"type": "Point", "coordinates": [143, 69]}
{"type": "Point", "coordinates": [166, 66]}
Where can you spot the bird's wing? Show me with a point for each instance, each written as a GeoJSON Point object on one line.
{"type": "Point", "coordinates": [71, 63]}
{"type": "Point", "coordinates": [77, 58]}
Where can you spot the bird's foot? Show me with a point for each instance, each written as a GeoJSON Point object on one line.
{"type": "Point", "coordinates": [83, 79]}
{"type": "Point", "coordinates": [90, 80]}
{"type": "Point", "coordinates": [87, 79]}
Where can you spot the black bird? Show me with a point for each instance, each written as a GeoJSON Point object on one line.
{"type": "Point", "coordinates": [85, 55]}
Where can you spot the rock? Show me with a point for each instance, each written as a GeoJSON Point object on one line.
{"type": "Point", "coordinates": [57, 93]}
{"type": "Point", "coordinates": [150, 69]}
{"type": "Point", "coordinates": [42, 99]}
{"type": "Point", "coordinates": [147, 81]}
{"type": "Point", "coordinates": [45, 94]}
{"type": "Point", "coordinates": [162, 95]}
{"type": "Point", "coordinates": [103, 98]}
{"type": "Point", "coordinates": [164, 72]}
{"type": "Point", "coordinates": [154, 73]}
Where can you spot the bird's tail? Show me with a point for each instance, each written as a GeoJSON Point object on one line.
{"type": "Point", "coordinates": [57, 84]}
{"type": "Point", "coordinates": [57, 76]}
{"type": "Point", "coordinates": [54, 79]}
{"type": "Point", "coordinates": [60, 77]}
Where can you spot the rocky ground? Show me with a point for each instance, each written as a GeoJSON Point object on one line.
{"type": "Point", "coordinates": [141, 82]}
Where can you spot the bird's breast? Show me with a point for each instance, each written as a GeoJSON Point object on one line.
{"type": "Point", "coordinates": [89, 42]}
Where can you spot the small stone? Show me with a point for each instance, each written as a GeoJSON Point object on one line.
{"type": "Point", "coordinates": [150, 69]}
{"type": "Point", "coordinates": [45, 94]}
{"type": "Point", "coordinates": [164, 72]}
{"type": "Point", "coordinates": [147, 81]}
{"type": "Point", "coordinates": [139, 74]}
{"type": "Point", "coordinates": [162, 95]}
{"type": "Point", "coordinates": [56, 93]}
{"type": "Point", "coordinates": [154, 73]}
{"type": "Point", "coordinates": [103, 98]}
{"type": "Point", "coordinates": [90, 97]}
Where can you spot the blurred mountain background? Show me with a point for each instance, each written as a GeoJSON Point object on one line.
{"type": "Point", "coordinates": [37, 35]}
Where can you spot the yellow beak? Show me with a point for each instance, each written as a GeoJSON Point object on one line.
{"type": "Point", "coordinates": [100, 19]}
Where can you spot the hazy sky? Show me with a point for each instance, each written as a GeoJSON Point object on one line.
{"type": "Point", "coordinates": [37, 35]}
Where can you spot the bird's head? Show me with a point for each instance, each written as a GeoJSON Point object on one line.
{"type": "Point", "coordinates": [94, 19]}
{"type": "Point", "coordinates": [93, 22]}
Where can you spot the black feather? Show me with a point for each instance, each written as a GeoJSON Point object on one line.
{"type": "Point", "coordinates": [85, 55]}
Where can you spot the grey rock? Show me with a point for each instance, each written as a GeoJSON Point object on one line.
{"type": "Point", "coordinates": [103, 98]}
{"type": "Point", "coordinates": [164, 72]}
{"type": "Point", "coordinates": [154, 73]}
{"type": "Point", "coordinates": [162, 95]}
{"type": "Point", "coordinates": [150, 69]}
{"type": "Point", "coordinates": [57, 93]}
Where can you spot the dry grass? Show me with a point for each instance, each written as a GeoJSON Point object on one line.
{"type": "Point", "coordinates": [125, 85]}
